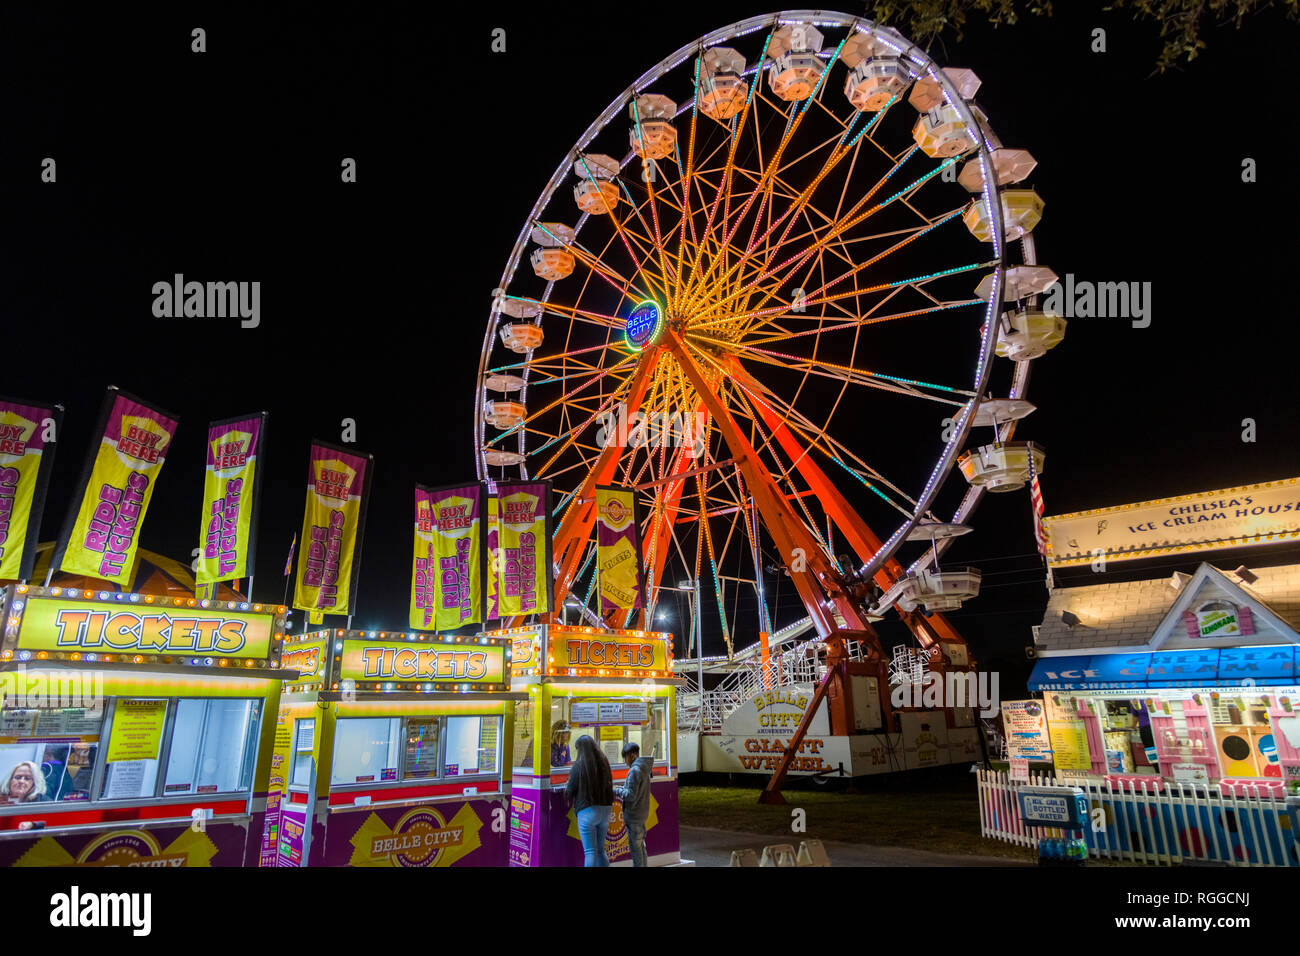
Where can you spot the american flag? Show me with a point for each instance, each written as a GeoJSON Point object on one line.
{"type": "Point", "coordinates": [1036, 507]}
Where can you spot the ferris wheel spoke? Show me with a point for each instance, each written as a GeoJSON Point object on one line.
{"type": "Point", "coordinates": [758, 317]}
{"type": "Point", "coordinates": [805, 195]}
{"type": "Point", "coordinates": [852, 219]}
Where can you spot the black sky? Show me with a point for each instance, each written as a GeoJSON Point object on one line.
{"type": "Point", "coordinates": [225, 166]}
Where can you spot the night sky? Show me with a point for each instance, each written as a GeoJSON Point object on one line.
{"type": "Point", "coordinates": [226, 166]}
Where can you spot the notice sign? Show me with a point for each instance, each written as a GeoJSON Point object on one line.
{"type": "Point", "coordinates": [583, 712]}
{"type": "Point", "coordinates": [137, 730]}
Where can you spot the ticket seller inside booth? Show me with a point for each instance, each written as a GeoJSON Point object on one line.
{"type": "Point", "coordinates": [134, 728]}
{"type": "Point", "coordinates": [389, 751]}
{"type": "Point", "coordinates": [614, 686]}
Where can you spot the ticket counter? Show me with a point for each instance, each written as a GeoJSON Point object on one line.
{"type": "Point", "coordinates": [390, 751]}
{"type": "Point", "coordinates": [614, 686]}
{"type": "Point", "coordinates": [135, 729]}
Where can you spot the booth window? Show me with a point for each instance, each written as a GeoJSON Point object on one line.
{"type": "Point", "coordinates": [471, 746]}
{"type": "Point", "coordinates": [137, 728]}
{"type": "Point", "coordinates": [304, 736]}
{"type": "Point", "coordinates": [376, 750]}
{"type": "Point", "coordinates": [366, 749]}
{"type": "Point", "coordinates": [522, 759]}
{"type": "Point", "coordinates": [214, 743]}
{"type": "Point", "coordinates": [612, 723]}
{"type": "Point", "coordinates": [422, 746]}
{"type": "Point", "coordinates": [48, 754]}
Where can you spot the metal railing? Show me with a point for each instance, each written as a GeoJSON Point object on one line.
{"type": "Point", "coordinates": [800, 664]}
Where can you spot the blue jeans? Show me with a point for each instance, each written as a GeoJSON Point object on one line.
{"type": "Point", "coordinates": [593, 826]}
{"type": "Point", "coordinates": [636, 842]}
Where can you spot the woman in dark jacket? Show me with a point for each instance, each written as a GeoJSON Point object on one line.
{"type": "Point", "coordinates": [591, 792]}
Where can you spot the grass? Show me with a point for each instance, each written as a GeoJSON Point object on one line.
{"type": "Point", "coordinates": [937, 812]}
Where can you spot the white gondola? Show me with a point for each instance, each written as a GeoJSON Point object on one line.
{"type": "Point", "coordinates": [552, 262]}
{"type": "Point", "coordinates": [927, 93]}
{"type": "Point", "coordinates": [1018, 282]}
{"type": "Point", "coordinates": [1002, 466]}
{"type": "Point", "coordinates": [652, 133]}
{"type": "Point", "coordinates": [938, 590]}
{"type": "Point", "coordinates": [1028, 334]}
{"type": "Point", "coordinates": [995, 411]}
{"type": "Point", "coordinates": [874, 82]}
{"type": "Point", "coordinates": [796, 69]}
{"type": "Point", "coordinates": [500, 382]}
{"type": "Point", "coordinates": [1010, 166]}
{"type": "Point", "coordinates": [722, 83]}
{"type": "Point", "coordinates": [504, 414]}
{"type": "Point", "coordinates": [521, 337]}
{"type": "Point", "coordinates": [596, 195]}
{"type": "Point", "coordinates": [942, 133]}
{"type": "Point", "coordinates": [500, 458]}
{"type": "Point", "coordinates": [521, 308]}
{"type": "Point", "coordinates": [1022, 209]}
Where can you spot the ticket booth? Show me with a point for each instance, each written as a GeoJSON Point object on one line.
{"type": "Point", "coordinates": [615, 686]}
{"type": "Point", "coordinates": [135, 729]}
{"type": "Point", "coordinates": [389, 751]}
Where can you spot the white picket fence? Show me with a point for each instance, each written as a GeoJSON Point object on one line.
{"type": "Point", "coordinates": [1174, 824]}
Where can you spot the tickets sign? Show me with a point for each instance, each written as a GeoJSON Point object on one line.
{"type": "Point", "coordinates": [645, 654]}
{"type": "Point", "coordinates": [338, 485]}
{"type": "Point", "coordinates": [447, 575]}
{"type": "Point", "coordinates": [110, 627]}
{"type": "Point", "coordinates": [424, 662]}
{"type": "Point", "coordinates": [524, 538]}
{"type": "Point", "coordinates": [618, 550]}
{"type": "Point", "coordinates": [102, 533]}
{"type": "Point", "coordinates": [230, 499]}
{"type": "Point", "coordinates": [26, 458]}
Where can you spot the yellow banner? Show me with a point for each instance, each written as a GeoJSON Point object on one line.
{"type": "Point", "coordinates": [104, 536]}
{"type": "Point", "coordinates": [618, 552]}
{"type": "Point", "coordinates": [337, 484]}
{"type": "Point", "coordinates": [22, 450]}
{"type": "Point", "coordinates": [447, 570]}
{"type": "Point", "coordinates": [137, 730]}
{"type": "Point", "coordinates": [225, 540]}
{"type": "Point", "coordinates": [524, 539]}
{"type": "Point", "coordinates": [111, 627]}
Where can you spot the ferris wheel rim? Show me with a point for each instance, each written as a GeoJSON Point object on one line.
{"type": "Point", "coordinates": [924, 66]}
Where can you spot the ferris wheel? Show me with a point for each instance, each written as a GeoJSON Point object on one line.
{"type": "Point", "coordinates": [768, 288]}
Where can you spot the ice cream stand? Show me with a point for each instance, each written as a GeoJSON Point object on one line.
{"type": "Point", "coordinates": [134, 727]}
{"type": "Point", "coordinates": [615, 686]}
{"type": "Point", "coordinates": [389, 751]}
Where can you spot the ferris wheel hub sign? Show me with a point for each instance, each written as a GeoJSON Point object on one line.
{"type": "Point", "coordinates": [643, 325]}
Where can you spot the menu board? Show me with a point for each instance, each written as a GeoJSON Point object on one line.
{"type": "Point", "coordinates": [1025, 724]}
{"type": "Point", "coordinates": [42, 722]}
{"type": "Point", "coordinates": [609, 710]}
{"type": "Point", "coordinates": [582, 712]}
{"type": "Point", "coordinates": [635, 711]}
{"type": "Point", "coordinates": [69, 722]}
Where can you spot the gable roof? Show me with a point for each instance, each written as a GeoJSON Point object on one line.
{"type": "Point", "coordinates": [1147, 615]}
